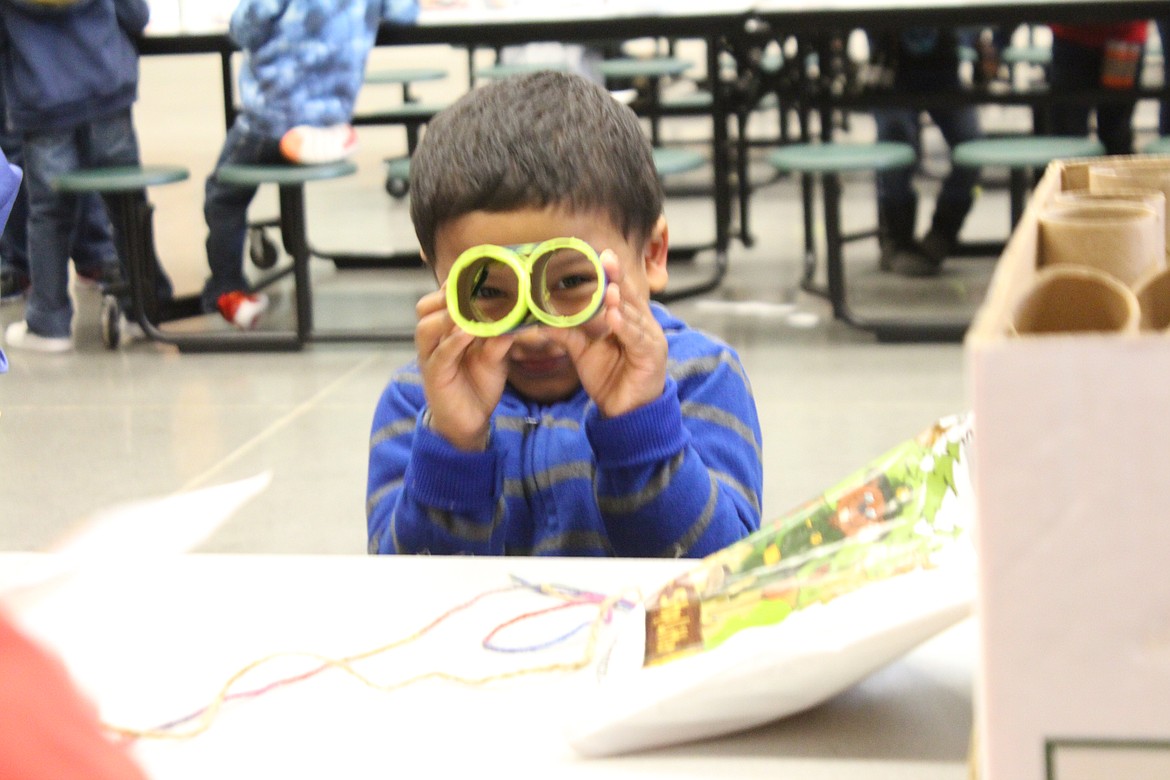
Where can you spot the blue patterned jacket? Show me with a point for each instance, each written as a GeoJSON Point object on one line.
{"type": "Point", "coordinates": [678, 477]}
{"type": "Point", "coordinates": [305, 59]}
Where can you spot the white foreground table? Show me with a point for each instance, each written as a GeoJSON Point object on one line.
{"type": "Point", "coordinates": [151, 641]}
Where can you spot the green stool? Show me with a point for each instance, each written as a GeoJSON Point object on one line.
{"type": "Point", "coordinates": [124, 191]}
{"type": "Point", "coordinates": [404, 77]}
{"type": "Point", "coordinates": [1159, 145]}
{"type": "Point", "coordinates": [651, 71]}
{"type": "Point", "coordinates": [413, 117]}
{"type": "Point", "coordinates": [826, 162]}
{"type": "Point", "coordinates": [290, 181]}
{"type": "Point", "coordinates": [1022, 156]}
{"type": "Point", "coordinates": [398, 177]}
{"type": "Point", "coordinates": [670, 161]}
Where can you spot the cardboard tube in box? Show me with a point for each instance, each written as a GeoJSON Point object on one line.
{"type": "Point", "coordinates": [1133, 174]}
{"type": "Point", "coordinates": [1153, 296]}
{"type": "Point", "coordinates": [1119, 238]}
{"type": "Point", "coordinates": [1075, 299]}
{"type": "Point", "coordinates": [1155, 199]}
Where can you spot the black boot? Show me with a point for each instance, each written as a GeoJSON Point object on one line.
{"type": "Point", "coordinates": [895, 230]}
{"type": "Point", "coordinates": [945, 225]}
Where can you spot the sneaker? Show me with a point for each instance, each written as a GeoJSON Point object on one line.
{"type": "Point", "coordinates": [242, 309]}
{"type": "Point", "coordinates": [13, 286]}
{"type": "Point", "coordinates": [309, 145]}
{"type": "Point", "coordinates": [19, 336]}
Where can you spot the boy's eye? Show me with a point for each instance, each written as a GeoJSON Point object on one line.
{"type": "Point", "coordinates": [487, 292]}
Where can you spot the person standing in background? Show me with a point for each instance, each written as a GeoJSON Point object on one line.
{"type": "Point", "coordinates": [1108, 55]}
{"type": "Point", "coordinates": [921, 60]}
{"type": "Point", "coordinates": [92, 243]}
{"type": "Point", "coordinates": [70, 78]}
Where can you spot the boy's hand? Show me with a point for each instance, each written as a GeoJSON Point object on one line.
{"type": "Point", "coordinates": [463, 376]}
{"type": "Point", "coordinates": [620, 354]}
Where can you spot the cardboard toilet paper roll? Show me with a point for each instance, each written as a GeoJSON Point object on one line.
{"type": "Point", "coordinates": [1076, 299]}
{"type": "Point", "coordinates": [1120, 238]}
{"type": "Point", "coordinates": [1136, 174]}
{"type": "Point", "coordinates": [1155, 199]}
{"type": "Point", "coordinates": [1153, 295]}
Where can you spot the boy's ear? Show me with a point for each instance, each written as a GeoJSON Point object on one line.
{"type": "Point", "coordinates": [654, 255]}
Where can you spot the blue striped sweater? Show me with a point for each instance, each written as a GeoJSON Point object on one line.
{"type": "Point", "coordinates": [678, 477]}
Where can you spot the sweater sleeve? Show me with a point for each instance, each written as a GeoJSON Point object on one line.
{"type": "Point", "coordinates": [682, 476]}
{"type": "Point", "coordinates": [414, 504]}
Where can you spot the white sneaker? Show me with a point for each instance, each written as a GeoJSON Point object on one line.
{"type": "Point", "coordinates": [19, 336]}
{"type": "Point", "coordinates": [310, 145]}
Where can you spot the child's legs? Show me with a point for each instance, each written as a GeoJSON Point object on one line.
{"type": "Point", "coordinates": [111, 141]}
{"type": "Point", "coordinates": [92, 244]}
{"type": "Point", "coordinates": [1073, 67]}
{"type": "Point", "coordinates": [47, 155]}
{"type": "Point", "coordinates": [895, 188]}
{"type": "Point", "coordinates": [225, 208]}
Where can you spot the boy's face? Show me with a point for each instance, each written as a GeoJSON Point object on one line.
{"type": "Point", "coordinates": [538, 369]}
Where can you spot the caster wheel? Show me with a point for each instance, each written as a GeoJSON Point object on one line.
{"type": "Point", "coordinates": [261, 249]}
{"type": "Point", "coordinates": [397, 187]}
{"type": "Point", "coordinates": [111, 315]}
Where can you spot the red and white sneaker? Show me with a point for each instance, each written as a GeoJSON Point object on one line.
{"type": "Point", "coordinates": [309, 145]}
{"type": "Point", "coordinates": [242, 309]}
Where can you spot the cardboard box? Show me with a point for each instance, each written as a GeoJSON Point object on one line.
{"type": "Point", "coordinates": [1072, 482]}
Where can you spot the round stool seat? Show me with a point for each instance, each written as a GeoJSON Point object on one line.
{"type": "Point", "coordinates": [674, 161]}
{"type": "Point", "coordinates": [398, 168]}
{"type": "Point", "coordinates": [422, 111]}
{"type": "Point", "coordinates": [119, 179]}
{"type": "Point", "coordinates": [255, 175]}
{"type": "Point", "coordinates": [504, 70]}
{"type": "Point", "coordinates": [1158, 146]}
{"type": "Point", "coordinates": [649, 67]}
{"type": "Point", "coordinates": [842, 157]}
{"type": "Point", "coordinates": [691, 101]}
{"type": "Point", "coordinates": [1024, 152]}
{"type": "Point", "coordinates": [1026, 55]}
{"type": "Point", "coordinates": [405, 75]}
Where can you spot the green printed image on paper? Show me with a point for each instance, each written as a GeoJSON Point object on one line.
{"type": "Point", "coordinates": [895, 515]}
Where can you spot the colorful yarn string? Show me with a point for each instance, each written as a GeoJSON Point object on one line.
{"type": "Point", "coordinates": [203, 718]}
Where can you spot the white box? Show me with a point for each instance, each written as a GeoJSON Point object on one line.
{"type": "Point", "coordinates": [1072, 481]}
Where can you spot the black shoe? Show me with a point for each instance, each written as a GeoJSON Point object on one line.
{"type": "Point", "coordinates": [13, 285]}
{"type": "Point", "coordinates": [914, 263]}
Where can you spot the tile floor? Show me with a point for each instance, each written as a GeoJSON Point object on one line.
{"type": "Point", "coordinates": [95, 428]}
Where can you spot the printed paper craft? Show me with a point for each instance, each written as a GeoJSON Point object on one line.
{"type": "Point", "coordinates": [802, 609]}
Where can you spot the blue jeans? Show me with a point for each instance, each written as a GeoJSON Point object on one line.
{"type": "Point", "coordinates": [895, 189]}
{"type": "Point", "coordinates": [1075, 67]}
{"type": "Point", "coordinates": [225, 209]}
{"type": "Point", "coordinates": [49, 154]}
{"type": "Point", "coordinates": [92, 242]}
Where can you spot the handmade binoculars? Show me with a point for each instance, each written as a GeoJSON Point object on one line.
{"type": "Point", "coordinates": [492, 289]}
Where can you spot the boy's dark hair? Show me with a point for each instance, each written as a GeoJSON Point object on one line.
{"type": "Point", "coordinates": [541, 139]}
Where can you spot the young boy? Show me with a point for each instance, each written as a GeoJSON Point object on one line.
{"type": "Point", "coordinates": [70, 71]}
{"type": "Point", "coordinates": [303, 67]}
{"type": "Point", "coordinates": [629, 435]}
